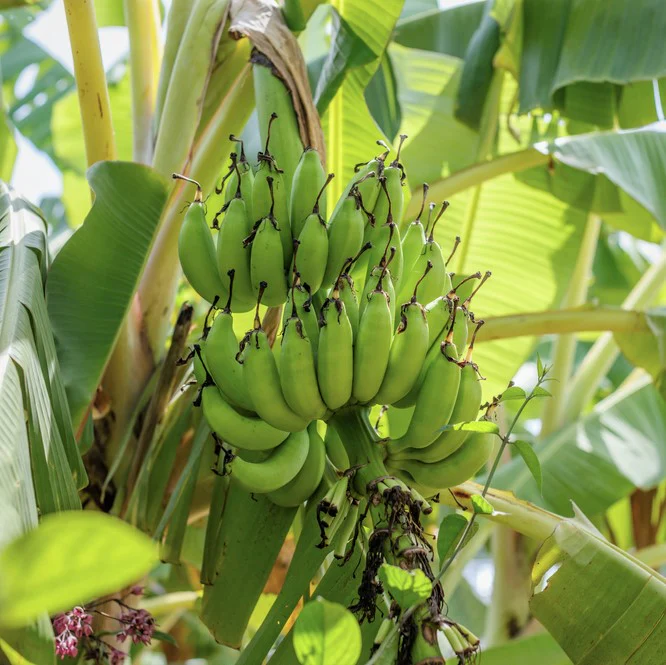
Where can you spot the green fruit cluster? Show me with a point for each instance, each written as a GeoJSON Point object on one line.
{"type": "Point", "coordinates": [370, 316]}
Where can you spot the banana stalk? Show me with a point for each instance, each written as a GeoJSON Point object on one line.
{"type": "Point", "coordinates": [306, 561]}
{"type": "Point", "coordinates": [251, 532]}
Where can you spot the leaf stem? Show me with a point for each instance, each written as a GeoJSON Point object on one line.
{"type": "Point", "coordinates": [478, 174]}
{"type": "Point", "coordinates": [143, 23]}
{"type": "Point", "coordinates": [90, 81]}
{"type": "Point", "coordinates": [564, 346]}
{"type": "Point", "coordinates": [579, 319]}
{"type": "Point", "coordinates": [602, 355]}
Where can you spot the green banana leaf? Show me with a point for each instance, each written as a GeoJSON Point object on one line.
{"type": "Point", "coordinates": [529, 240]}
{"type": "Point", "coordinates": [447, 30]}
{"type": "Point", "coordinates": [616, 448]}
{"type": "Point", "coordinates": [349, 128]}
{"type": "Point", "coordinates": [40, 466]}
{"type": "Point", "coordinates": [92, 280]}
{"type": "Point", "coordinates": [611, 154]}
{"type": "Point", "coordinates": [625, 625]}
{"type": "Point", "coordinates": [427, 86]}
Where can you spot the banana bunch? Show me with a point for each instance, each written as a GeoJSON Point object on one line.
{"type": "Point", "coordinates": [370, 316]}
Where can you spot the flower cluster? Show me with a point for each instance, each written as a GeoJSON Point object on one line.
{"type": "Point", "coordinates": [74, 631]}
{"type": "Point", "coordinates": [139, 625]}
{"type": "Point", "coordinates": [69, 628]}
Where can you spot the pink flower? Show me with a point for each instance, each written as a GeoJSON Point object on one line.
{"type": "Point", "coordinates": [66, 644]}
{"type": "Point", "coordinates": [139, 625]}
{"type": "Point", "coordinates": [77, 621]}
{"type": "Point", "coordinates": [136, 590]}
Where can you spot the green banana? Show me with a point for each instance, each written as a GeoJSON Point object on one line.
{"type": "Point", "coordinates": [436, 399]}
{"type": "Point", "coordinates": [466, 409]}
{"type": "Point", "coordinates": [196, 249]}
{"type": "Point", "coordinates": [438, 281]}
{"type": "Point", "coordinates": [220, 348]}
{"type": "Point", "coordinates": [302, 296]}
{"type": "Point", "coordinates": [335, 356]}
{"type": "Point", "coordinates": [233, 255]}
{"type": "Point", "coordinates": [279, 468]}
{"type": "Point", "coordinates": [304, 484]}
{"type": "Point", "coordinates": [241, 178]}
{"type": "Point", "coordinates": [345, 235]}
{"type": "Point", "coordinates": [309, 179]}
{"type": "Point", "coordinates": [346, 531]}
{"type": "Point", "coordinates": [314, 245]}
{"type": "Point", "coordinates": [390, 197]}
{"type": "Point", "coordinates": [347, 294]}
{"type": "Point", "coordinates": [372, 281]}
{"type": "Point", "coordinates": [263, 381]}
{"type": "Point", "coordinates": [335, 449]}
{"type": "Point", "coordinates": [238, 430]}
{"type": "Point", "coordinates": [386, 236]}
{"type": "Point", "coordinates": [267, 256]}
{"type": "Point", "coordinates": [414, 238]}
{"type": "Point", "coordinates": [408, 352]}
{"type": "Point", "coordinates": [458, 467]}
{"type": "Point", "coordinates": [272, 97]}
{"type": "Point", "coordinates": [298, 375]}
{"type": "Point", "coordinates": [373, 345]}
{"type": "Point", "coordinates": [270, 196]}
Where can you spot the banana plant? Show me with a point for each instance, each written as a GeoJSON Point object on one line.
{"type": "Point", "coordinates": [306, 361]}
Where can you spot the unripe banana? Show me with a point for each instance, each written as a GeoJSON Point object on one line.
{"type": "Point", "coordinates": [220, 349]}
{"type": "Point", "coordinates": [347, 294]}
{"type": "Point", "coordinates": [276, 470]}
{"type": "Point", "coordinates": [263, 382]}
{"type": "Point", "coordinates": [391, 198]}
{"type": "Point", "coordinates": [389, 655]}
{"type": "Point", "coordinates": [386, 236]}
{"type": "Point", "coordinates": [270, 196]}
{"type": "Point", "coordinates": [309, 179]}
{"type": "Point", "coordinates": [345, 235]}
{"type": "Point", "coordinates": [335, 449]}
{"type": "Point", "coordinates": [414, 238]}
{"type": "Point", "coordinates": [372, 346]}
{"type": "Point", "coordinates": [313, 240]}
{"type": "Point", "coordinates": [438, 281]}
{"type": "Point", "coordinates": [196, 250]}
{"type": "Point", "coordinates": [466, 409]}
{"type": "Point", "coordinates": [232, 254]}
{"type": "Point", "coordinates": [239, 178]}
{"type": "Point", "coordinates": [273, 97]}
{"type": "Point", "coordinates": [335, 356]}
{"type": "Point", "coordinates": [435, 402]}
{"type": "Point", "coordinates": [306, 313]}
{"type": "Point", "coordinates": [372, 279]}
{"type": "Point", "coordinates": [346, 530]}
{"type": "Point", "coordinates": [298, 376]}
{"type": "Point", "coordinates": [267, 257]}
{"type": "Point", "coordinates": [458, 467]}
{"type": "Point", "coordinates": [408, 351]}
{"type": "Point", "coordinates": [304, 484]}
{"type": "Point", "coordinates": [238, 430]}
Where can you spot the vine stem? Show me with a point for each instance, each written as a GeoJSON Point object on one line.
{"type": "Point", "coordinates": [143, 23]}
{"type": "Point", "coordinates": [605, 351]}
{"type": "Point", "coordinates": [91, 85]}
{"type": "Point", "coordinates": [564, 346]}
